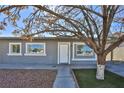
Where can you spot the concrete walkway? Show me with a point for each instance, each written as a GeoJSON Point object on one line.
{"type": "Point", "coordinates": [64, 78]}
{"type": "Point", "coordinates": [116, 68]}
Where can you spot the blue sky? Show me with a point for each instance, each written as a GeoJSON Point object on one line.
{"type": "Point", "coordinates": [10, 28]}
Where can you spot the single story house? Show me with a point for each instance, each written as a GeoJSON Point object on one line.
{"type": "Point", "coordinates": [117, 54]}
{"type": "Point", "coordinates": [45, 50]}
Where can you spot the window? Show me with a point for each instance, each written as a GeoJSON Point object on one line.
{"type": "Point", "coordinates": [14, 49]}
{"type": "Point", "coordinates": [83, 50]}
{"type": "Point", "coordinates": [35, 49]}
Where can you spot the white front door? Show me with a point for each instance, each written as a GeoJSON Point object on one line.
{"type": "Point", "coordinates": [64, 55]}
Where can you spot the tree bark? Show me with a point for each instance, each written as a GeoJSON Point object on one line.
{"type": "Point", "coordinates": [100, 67]}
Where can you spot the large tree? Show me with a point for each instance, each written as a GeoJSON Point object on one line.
{"type": "Point", "coordinates": [93, 25]}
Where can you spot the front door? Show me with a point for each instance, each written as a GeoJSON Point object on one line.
{"type": "Point", "coordinates": [64, 55]}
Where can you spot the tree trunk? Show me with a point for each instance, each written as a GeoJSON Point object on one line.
{"type": "Point", "coordinates": [100, 67]}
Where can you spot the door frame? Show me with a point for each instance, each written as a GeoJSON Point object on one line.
{"type": "Point", "coordinates": [63, 43]}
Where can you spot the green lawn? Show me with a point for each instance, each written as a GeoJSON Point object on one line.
{"type": "Point", "coordinates": [86, 79]}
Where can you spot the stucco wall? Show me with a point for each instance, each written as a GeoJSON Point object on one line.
{"type": "Point", "coordinates": [50, 58]}
{"type": "Point", "coordinates": [51, 51]}
{"type": "Point", "coordinates": [118, 53]}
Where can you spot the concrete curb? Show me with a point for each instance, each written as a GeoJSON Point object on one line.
{"type": "Point", "coordinates": [53, 86]}
{"type": "Point", "coordinates": [74, 77]}
{"type": "Point", "coordinates": [6, 66]}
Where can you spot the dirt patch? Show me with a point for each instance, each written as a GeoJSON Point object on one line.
{"type": "Point", "coordinates": [27, 78]}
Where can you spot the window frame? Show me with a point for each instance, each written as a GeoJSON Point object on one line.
{"type": "Point", "coordinates": [30, 54]}
{"type": "Point", "coordinates": [10, 49]}
{"type": "Point", "coordinates": [77, 49]}
{"type": "Point", "coordinates": [80, 59]}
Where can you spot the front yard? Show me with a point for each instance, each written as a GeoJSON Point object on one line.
{"type": "Point", "coordinates": [27, 78]}
{"type": "Point", "coordinates": [86, 79]}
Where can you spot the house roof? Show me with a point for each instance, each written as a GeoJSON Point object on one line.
{"type": "Point", "coordinates": [40, 38]}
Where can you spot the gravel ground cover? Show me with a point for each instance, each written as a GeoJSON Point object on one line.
{"type": "Point", "coordinates": [27, 78]}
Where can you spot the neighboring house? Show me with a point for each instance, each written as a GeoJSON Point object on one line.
{"type": "Point", "coordinates": [118, 53]}
{"type": "Point", "coordinates": [46, 50]}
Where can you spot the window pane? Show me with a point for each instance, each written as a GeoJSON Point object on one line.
{"type": "Point", "coordinates": [79, 49]}
{"type": "Point", "coordinates": [15, 49]}
{"type": "Point", "coordinates": [35, 48]}
{"type": "Point", "coordinates": [84, 50]}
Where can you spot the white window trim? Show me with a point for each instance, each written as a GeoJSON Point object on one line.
{"type": "Point", "coordinates": [80, 59]}
{"type": "Point", "coordinates": [29, 54]}
{"type": "Point", "coordinates": [15, 54]}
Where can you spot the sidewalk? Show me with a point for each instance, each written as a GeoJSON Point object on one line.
{"type": "Point", "coordinates": [64, 78]}
{"type": "Point", "coordinates": [27, 66]}
{"type": "Point", "coordinates": [116, 68]}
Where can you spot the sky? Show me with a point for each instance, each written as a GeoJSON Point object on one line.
{"type": "Point", "coordinates": [62, 2]}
